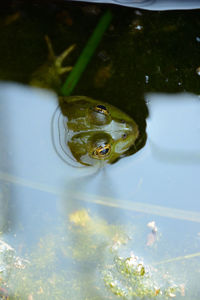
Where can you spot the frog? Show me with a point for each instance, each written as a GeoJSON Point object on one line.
{"type": "Point", "coordinates": [84, 130]}
{"type": "Point", "coordinates": [48, 75]}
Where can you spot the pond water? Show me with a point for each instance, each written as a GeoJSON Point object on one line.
{"type": "Point", "coordinates": [129, 230]}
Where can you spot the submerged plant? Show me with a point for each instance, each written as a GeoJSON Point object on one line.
{"type": "Point", "coordinates": [129, 278]}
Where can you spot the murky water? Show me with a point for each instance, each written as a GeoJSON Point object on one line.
{"type": "Point", "coordinates": [129, 230]}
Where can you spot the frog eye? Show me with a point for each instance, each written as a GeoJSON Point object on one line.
{"type": "Point", "coordinates": [102, 151]}
{"type": "Point", "coordinates": [124, 136]}
{"type": "Point", "coordinates": [101, 109]}
{"type": "Point", "coordinates": [99, 115]}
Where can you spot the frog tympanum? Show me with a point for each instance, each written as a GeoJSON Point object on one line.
{"type": "Point", "coordinates": [86, 130]}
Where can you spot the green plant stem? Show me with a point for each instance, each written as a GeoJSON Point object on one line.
{"type": "Point", "coordinates": [86, 54]}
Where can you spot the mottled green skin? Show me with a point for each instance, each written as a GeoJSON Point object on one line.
{"type": "Point", "coordinates": [88, 129]}
{"type": "Point", "coordinates": [47, 77]}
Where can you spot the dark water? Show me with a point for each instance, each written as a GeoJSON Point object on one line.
{"type": "Point", "coordinates": [75, 233]}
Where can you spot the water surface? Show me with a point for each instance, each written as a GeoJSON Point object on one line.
{"type": "Point", "coordinates": [69, 227]}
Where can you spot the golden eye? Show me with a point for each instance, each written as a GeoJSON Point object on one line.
{"type": "Point", "coordinates": [99, 115]}
{"type": "Point", "coordinates": [101, 109]}
{"type": "Point", "coordinates": [102, 151]}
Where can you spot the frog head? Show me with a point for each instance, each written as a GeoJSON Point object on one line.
{"type": "Point", "coordinates": [94, 131]}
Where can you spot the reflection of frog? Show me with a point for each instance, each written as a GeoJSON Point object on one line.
{"type": "Point", "coordinates": [93, 130]}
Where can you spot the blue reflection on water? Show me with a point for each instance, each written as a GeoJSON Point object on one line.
{"type": "Point", "coordinates": [165, 172]}
{"type": "Point", "coordinates": [160, 182]}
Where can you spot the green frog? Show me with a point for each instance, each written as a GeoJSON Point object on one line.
{"type": "Point", "coordinates": [93, 131]}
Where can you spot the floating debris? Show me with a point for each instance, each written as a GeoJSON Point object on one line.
{"type": "Point", "coordinates": [64, 17]}
{"type": "Point", "coordinates": [12, 18]}
{"type": "Point", "coordinates": [3, 293]}
{"type": "Point", "coordinates": [91, 9]}
{"type": "Point", "coordinates": [103, 55]}
{"type": "Point", "coordinates": [153, 235]}
{"type": "Point", "coordinates": [153, 226]}
{"type": "Point", "coordinates": [102, 75]}
{"type": "Point", "coordinates": [80, 218]}
{"type": "Point", "coordinates": [94, 235]}
{"type": "Point", "coordinates": [198, 71]}
{"type": "Point", "coordinates": [146, 79]}
{"type": "Point", "coordinates": [198, 39]}
{"type": "Point", "coordinates": [135, 26]}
